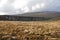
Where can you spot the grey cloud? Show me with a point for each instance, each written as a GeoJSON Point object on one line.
{"type": "Point", "coordinates": [50, 5]}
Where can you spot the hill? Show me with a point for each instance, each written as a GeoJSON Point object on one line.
{"type": "Point", "coordinates": [32, 16]}
{"type": "Point", "coordinates": [41, 14]}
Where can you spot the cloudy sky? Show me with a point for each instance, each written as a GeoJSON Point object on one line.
{"type": "Point", "coordinates": [10, 7]}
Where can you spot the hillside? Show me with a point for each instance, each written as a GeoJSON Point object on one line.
{"type": "Point", "coordinates": [32, 16]}
{"type": "Point", "coordinates": [41, 14]}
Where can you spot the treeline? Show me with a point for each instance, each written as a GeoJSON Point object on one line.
{"type": "Point", "coordinates": [22, 18]}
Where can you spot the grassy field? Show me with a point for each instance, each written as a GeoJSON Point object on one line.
{"type": "Point", "coordinates": [30, 30]}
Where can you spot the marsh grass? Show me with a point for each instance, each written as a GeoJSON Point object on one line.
{"type": "Point", "coordinates": [30, 30]}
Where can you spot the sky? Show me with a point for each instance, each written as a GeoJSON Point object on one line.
{"type": "Point", "coordinates": [10, 7]}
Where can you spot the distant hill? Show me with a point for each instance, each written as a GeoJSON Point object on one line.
{"type": "Point", "coordinates": [41, 14]}
{"type": "Point", "coordinates": [32, 16]}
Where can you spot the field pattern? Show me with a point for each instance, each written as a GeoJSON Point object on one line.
{"type": "Point", "coordinates": [30, 30]}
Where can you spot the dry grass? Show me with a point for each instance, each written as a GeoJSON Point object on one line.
{"type": "Point", "coordinates": [30, 30]}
